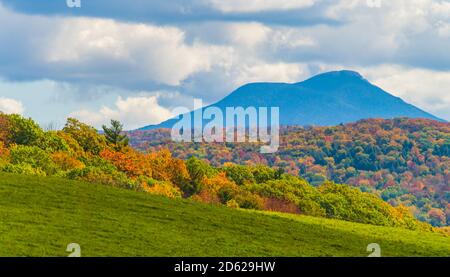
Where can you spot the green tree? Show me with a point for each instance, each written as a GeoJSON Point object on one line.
{"type": "Point", "coordinates": [24, 131]}
{"type": "Point", "coordinates": [198, 169]}
{"type": "Point", "coordinates": [114, 135]}
{"type": "Point", "coordinates": [240, 174]}
{"type": "Point", "coordinates": [263, 173]}
{"type": "Point", "coordinates": [33, 156]}
{"type": "Point", "coordinates": [86, 136]}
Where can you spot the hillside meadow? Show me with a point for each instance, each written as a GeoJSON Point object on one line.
{"type": "Point", "coordinates": [41, 215]}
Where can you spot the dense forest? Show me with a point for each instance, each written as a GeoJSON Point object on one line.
{"type": "Point", "coordinates": [404, 161]}
{"type": "Point", "coordinates": [79, 152]}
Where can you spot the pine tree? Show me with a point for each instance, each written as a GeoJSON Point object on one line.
{"type": "Point", "coordinates": [114, 135]}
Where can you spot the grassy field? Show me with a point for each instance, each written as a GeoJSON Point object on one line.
{"type": "Point", "coordinates": [41, 216]}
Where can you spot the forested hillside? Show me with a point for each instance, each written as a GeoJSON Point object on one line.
{"type": "Point", "coordinates": [404, 161]}
{"type": "Point", "coordinates": [79, 152]}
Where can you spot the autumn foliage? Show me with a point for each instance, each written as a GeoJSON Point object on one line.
{"type": "Point", "coordinates": [80, 152]}
{"type": "Point", "coordinates": [403, 161]}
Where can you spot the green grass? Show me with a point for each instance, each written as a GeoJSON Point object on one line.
{"type": "Point", "coordinates": [41, 216]}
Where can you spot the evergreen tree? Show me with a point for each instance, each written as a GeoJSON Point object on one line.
{"type": "Point", "coordinates": [114, 134]}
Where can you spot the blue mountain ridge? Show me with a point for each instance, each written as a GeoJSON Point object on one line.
{"type": "Point", "coordinates": [326, 99]}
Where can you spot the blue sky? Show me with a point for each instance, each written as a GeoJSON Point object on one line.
{"type": "Point", "coordinates": [136, 60]}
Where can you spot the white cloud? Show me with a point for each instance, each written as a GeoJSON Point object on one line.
{"type": "Point", "coordinates": [424, 88]}
{"type": "Point", "coordinates": [153, 53]}
{"type": "Point", "coordinates": [133, 112]}
{"type": "Point", "coordinates": [279, 72]}
{"type": "Point", "coordinates": [290, 38]}
{"type": "Point", "coordinates": [248, 35]}
{"type": "Point", "coordinates": [101, 51]}
{"type": "Point", "coordinates": [400, 16]}
{"type": "Point", "coordinates": [11, 106]}
{"type": "Point", "coordinates": [427, 89]}
{"type": "Point", "coordinates": [256, 35]}
{"type": "Point", "coordinates": [247, 6]}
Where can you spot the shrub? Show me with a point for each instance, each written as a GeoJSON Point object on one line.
{"type": "Point", "coordinates": [310, 207]}
{"type": "Point", "coordinates": [198, 171]}
{"type": "Point", "coordinates": [5, 126]}
{"type": "Point", "coordinates": [24, 169]}
{"type": "Point", "coordinates": [24, 131]}
{"type": "Point", "coordinates": [344, 202]}
{"type": "Point", "coordinates": [166, 168]}
{"type": "Point", "coordinates": [247, 200]}
{"type": "Point", "coordinates": [262, 173]}
{"type": "Point", "coordinates": [280, 205]}
{"type": "Point", "coordinates": [33, 156]}
{"type": "Point", "coordinates": [101, 176]}
{"type": "Point", "coordinates": [206, 196]}
{"type": "Point", "coordinates": [163, 188]}
{"type": "Point", "coordinates": [219, 188]}
{"type": "Point", "coordinates": [289, 188]}
{"type": "Point", "coordinates": [133, 163]}
{"type": "Point", "coordinates": [86, 136]}
{"type": "Point", "coordinates": [99, 162]}
{"type": "Point", "coordinates": [51, 142]}
{"type": "Point", "coordinates": [232, 204]}
{"type": "Point", "coordinates": [240, 174]}
{"type": "Point", "coordinates": [66, 162]}
{"type": "Point", "coordinates": [73, 147]}
{"type": "Point", "coordinates": [4, 152]}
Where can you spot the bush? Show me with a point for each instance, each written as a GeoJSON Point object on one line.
{"type": "Point", "coordinates": [4, 152]}
{"type": "Point", "coordinates": [206, 196]}
{"type": "Point", "coordinates": [24, 169]}
{"type": "Point", "coordinates": [288, 188]}
{"type": "Point", "coordinates": [86, 136]}
{"type": "Point", "coordinates": [33, 156]}
{"type": "Point", "coordinates": [232, 204]}
{"type": "Point", "coordinates": [101, 176]}
{"type": "Point", "coordinates": [133, 163]}
{"type": "Point", "coordinates": [166, 168]}
{"type": "Point", "coordinates": [280, 205]}
{"type": "Point", "coordinates": [247, 200]}
{"type": "Point", "coordinates": [240, 174]}
{"type": "Point", "coordinates": [5, 126]}
{"type": "Point", "coordinates": [344, 202]}
{"type": "Point", "coordinates": [51, 142]}
{"type": "Point", "coordinates": [262, 173]}
{"type": "Point", "coordinates": [162, 188]}
{"type": "Point", "coordinates": [198, 171]}
{"type": "Point", "coordinates": [24, 131]}
{"type": "Point", "coordinates": [99, 162]}
{"type": "Point", "coordinates": [73, 147]}
{"type": "Point", "coordinates": [65, 162]}
{"type": "Point", "coordinates": [310, 207]}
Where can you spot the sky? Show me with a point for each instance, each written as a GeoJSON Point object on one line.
{"type": "Point", "coordinates": [137, 60]}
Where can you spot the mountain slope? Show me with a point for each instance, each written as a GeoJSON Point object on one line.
{"type": "Point", "coordinates": [326, 99]}
{"type": "Point", "coordinates": [41, 216]}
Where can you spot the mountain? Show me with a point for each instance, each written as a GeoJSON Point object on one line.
{"type": "Point", "coordinates": [326, 99]}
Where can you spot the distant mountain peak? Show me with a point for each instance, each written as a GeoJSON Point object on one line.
{"type": "Point", "coordinates": [326, 99]}
{"type": "Point", "coordinates": [345, 73]}
{"type": "Point", "coordinates": [336, 78]}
